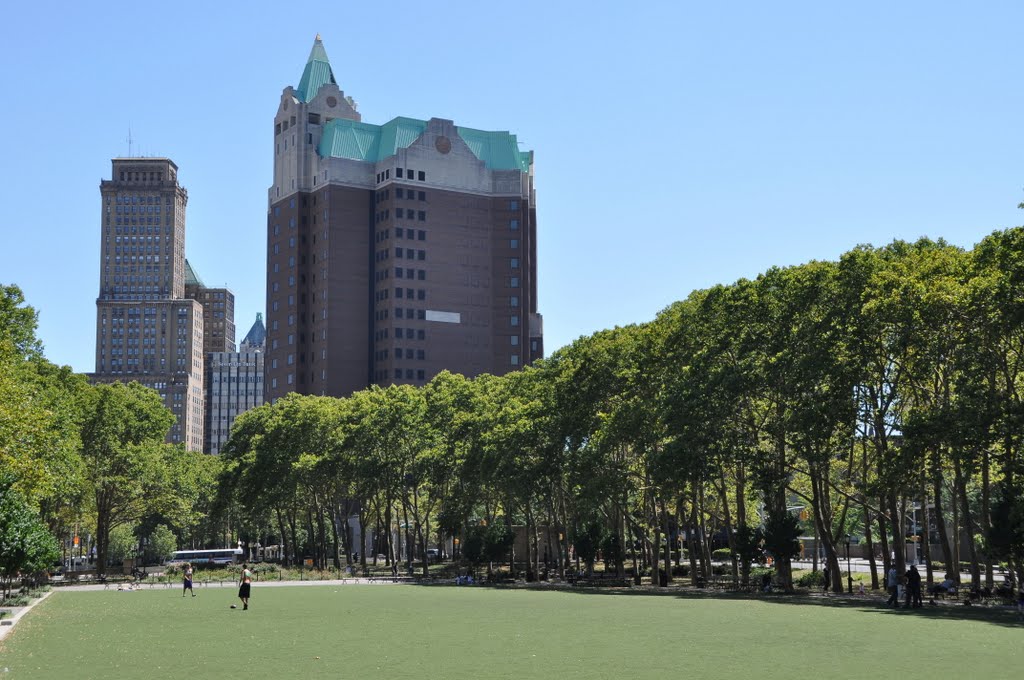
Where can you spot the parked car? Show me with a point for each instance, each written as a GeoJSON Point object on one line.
{"type": "Point", "coordinates": [433, 555]}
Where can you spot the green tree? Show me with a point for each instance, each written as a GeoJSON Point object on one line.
{"type": "Point", "coordinates": [161, 544]}
{"type": "Point", "coordinates": [125, 458]}
{"type": "Point", "coordinates": [26, 546]}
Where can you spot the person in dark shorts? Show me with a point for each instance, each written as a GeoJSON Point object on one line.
{"type": "Point", "coordinates": [186, 580]}
{"type": "Point", "coordinates": [244, 586]}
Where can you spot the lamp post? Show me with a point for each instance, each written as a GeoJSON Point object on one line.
{"type": "Point", "coordinates": [849, 574]}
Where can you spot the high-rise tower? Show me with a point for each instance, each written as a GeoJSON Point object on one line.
{"type": "Point", "coordinates": [394, 251]}
{"type": "Point", "coordinates": [234, 383]}
{"type": "Point", "coordinates": [146, 330]}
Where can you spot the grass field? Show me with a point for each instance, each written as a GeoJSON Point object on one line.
{"type": "Point", "coordinates": [447, 632]}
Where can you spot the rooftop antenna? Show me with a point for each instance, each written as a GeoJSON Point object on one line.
{"type": "Point", "coordinates": [129, 140]}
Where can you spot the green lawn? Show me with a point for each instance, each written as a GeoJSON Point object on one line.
{"type": "Point", "coordinates": [472, 632]}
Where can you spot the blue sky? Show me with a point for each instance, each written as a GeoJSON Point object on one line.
{"type": "Point", "coordinates": [678, 144]}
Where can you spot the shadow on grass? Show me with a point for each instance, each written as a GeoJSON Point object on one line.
{"type": "Point", "coordinates": [1000, 615]}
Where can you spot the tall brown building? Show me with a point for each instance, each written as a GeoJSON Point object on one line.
{"type": "Point", "coordinates": [394, 251]}
{"type": "Point", "coordinates": [146, 329]}
{"type": "Point", "coordinates": [218, 312]}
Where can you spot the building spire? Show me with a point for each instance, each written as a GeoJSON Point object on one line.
{"type": "Point", "coordinates": [317, 73]}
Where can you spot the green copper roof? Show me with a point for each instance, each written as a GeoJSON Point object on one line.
{"type": "Point", "coordinates": [343, 138]}
{"type": "Point", "coordinates": [317, 72]}
{"type": "Point", "coordinates": [191, 278]}
{"type": "Point", "coordinates": [498, 150]}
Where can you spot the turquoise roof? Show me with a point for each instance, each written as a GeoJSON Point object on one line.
{"type": "Point", "coordinates": [343, 138]}
{"type": "Point", "coordinates": [191, 277]}
{"type": "Point", "coordinates": [498, 150]}
{"type": "Point", "coordinates": [316, 74]}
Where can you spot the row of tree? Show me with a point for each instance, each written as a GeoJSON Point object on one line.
{"type": "Point", "coordinates": [849, 393]}
{"type": "Point", "coordinates": [855, 390]}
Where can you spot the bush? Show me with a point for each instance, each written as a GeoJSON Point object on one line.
{"type": "Point", "coordinates": [722, 554]}
{"type": "Point", "coordinates": [265, 568]}
{"type": "Point", "coordinates": [16, 601]}
{"type": "Point", "coordinates": [812, 579]}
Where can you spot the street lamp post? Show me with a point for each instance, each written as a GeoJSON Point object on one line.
{"type": "Point", "coordinates": [849, 574]}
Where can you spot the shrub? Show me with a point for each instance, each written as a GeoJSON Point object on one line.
{"type": "Point", "coordinates": [812, 579]}
{"type": "Point", "coordinates": [16, 601]}
{"type": "Point", "coordinates": [722, 554]}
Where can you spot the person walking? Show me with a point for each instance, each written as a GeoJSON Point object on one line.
{"type": "Point", "coordinates": [186, 580]}
{"type": "Point", "coordinates": [245, 585]}
{"type": "Point", "coordinates": [892, 583]}
{"type": "Point", "coordinates": [827, 573]}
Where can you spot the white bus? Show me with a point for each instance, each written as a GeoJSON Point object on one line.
{"type": "Point", "coordinates": [219, 557]}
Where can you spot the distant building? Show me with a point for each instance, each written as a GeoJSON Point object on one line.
{"type": "Point", "coordinates": [395, 251]}
{"type": "Point", "coordinates": [235, 381]}
{"type": "Point", "coordinates": [218, 312]}
{"type": "Point", "coordinates": [147, 330]}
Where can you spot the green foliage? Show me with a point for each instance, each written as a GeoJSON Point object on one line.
{"type": "Point", "coordinates": [812, 579]}
{"type": "Point", "coordinates": [485, 544]}
{"type": "Point", "coordinates": [161, 545]}
{"type": "Point", "coordinates": [612, 550]}
{"type": "Point", "coordinates": [748, 543]}
{"type": "Point", "coordinates": [26, 546]}
{"type": "Point", "coordinates": [721, 555]}
{"type": "Point", "coordinates": [781, 536]}
{"type": "Point", "coordinates": [589, 540]}
{"type": "Point", "coordinates": [123, 543]}
{"type": "Point", "coordinates": [1006, 536]}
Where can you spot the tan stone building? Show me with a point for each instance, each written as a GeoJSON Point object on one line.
{"type": "Point", "coordinates": [146, 329]}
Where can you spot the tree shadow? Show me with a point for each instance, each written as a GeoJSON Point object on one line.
{"type": "Point", "coordinates": [996, 614]}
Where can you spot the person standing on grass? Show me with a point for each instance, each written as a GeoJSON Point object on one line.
{"type": "Point", "coordinates": [186, 580]}
{"type": "Point", "coordinates": [245, 585]}
{"type": "Point", "coordinates": [826, 572]}
{"type": "Point", "coordinates": [892, 583]}
{"type": "Point", "coordinates": [913, 588]}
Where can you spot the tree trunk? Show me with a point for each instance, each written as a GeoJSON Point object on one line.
{"type": "Point", "coordinates": [729, 530]}
{"type": "Point", "coordinates": [668, 544]}
{"type": "Point", "coordinates": [939, 514]}
{"type": "Point", "coordinates": [986, 515]}
{"type": "Point", "coordinates": [883, 540]}
{"type": "Point", "coordinates": [961, 487]}
{"type": "Point", "coordinates": [283, 529]}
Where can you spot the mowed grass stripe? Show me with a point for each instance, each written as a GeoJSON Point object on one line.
{"type": "Point", "coordinates": [409, 631]}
